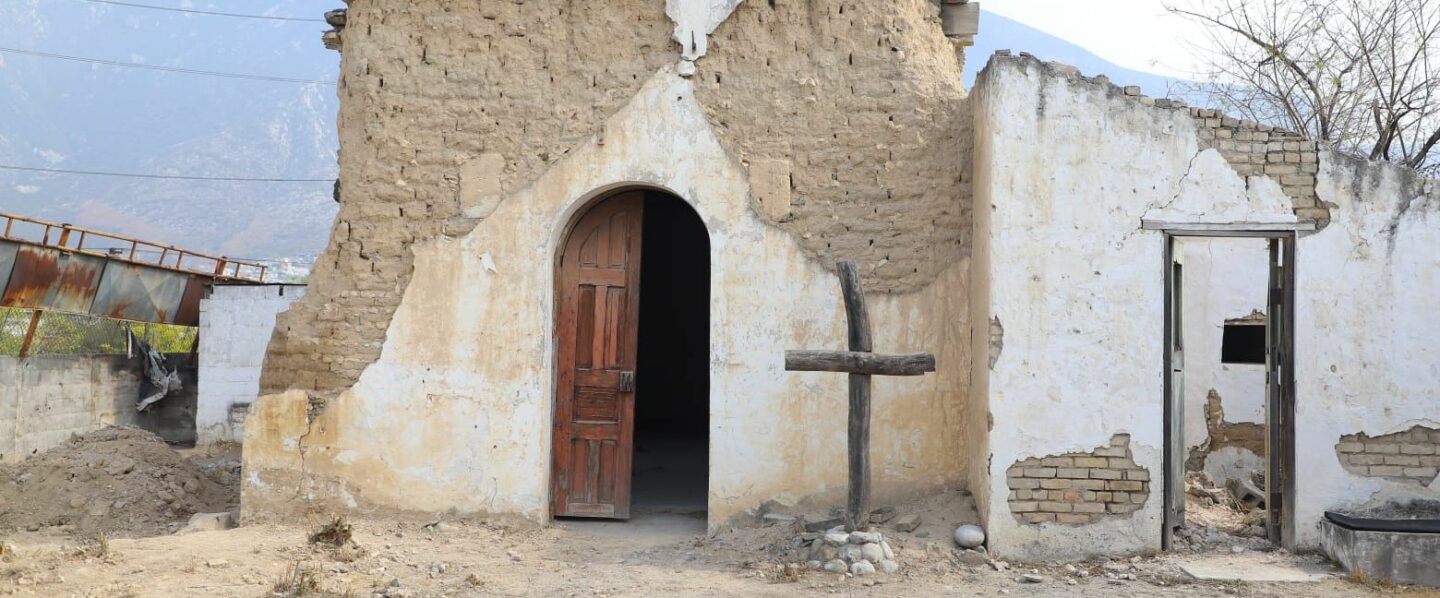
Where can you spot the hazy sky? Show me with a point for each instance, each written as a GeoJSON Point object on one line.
{"type": "Point", "coordinates": [1136, 34]}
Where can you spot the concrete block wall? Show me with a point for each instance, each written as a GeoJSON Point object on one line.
{"type": "Point", "coordinates": [235, 326]}
{"type": "Point", "coordinates": [46, 399]}
{"type": "Point", "coordinates": [1078, 488]}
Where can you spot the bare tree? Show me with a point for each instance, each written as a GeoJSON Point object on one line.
{"type": "Point", "coordinates": [1363, 75]}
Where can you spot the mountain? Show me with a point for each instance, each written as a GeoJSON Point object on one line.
{"type": "Point", "coordinates": [73, 115]}
{"type": "Point", "coordinates": [1000, 33]}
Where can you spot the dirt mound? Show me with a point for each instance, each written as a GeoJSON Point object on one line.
{"type": "Point", "coordinates": [119, 481]}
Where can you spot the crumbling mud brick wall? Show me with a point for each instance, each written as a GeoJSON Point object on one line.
{"type": "Point", "coordinates": [1409, 457]}
{"type": "Point", "coordinates": [857, 112]}
{"type": "Point", "coordinates": [1254, 149]}
{"type": "Point", "coordinates": [1220, 434]}
{"type": "Point", "coordinates": [1079, 488]}
{"type": "Point", "coordinates": [444, 107]}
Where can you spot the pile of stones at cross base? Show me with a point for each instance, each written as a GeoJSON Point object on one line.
{"type": "Point", "coordinates": [866, 552]}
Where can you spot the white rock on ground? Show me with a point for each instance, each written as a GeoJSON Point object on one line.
{"type": "Point", "coordinates": [862, 568]}
{"type": "Point", "coordinates": [969, 536]}
{"type": "Point", "coordinates": [208, 522]}
{"type": "Point", "coordinates": [865, 537]}
{"type": "Point", "coordinates": [872, 552]}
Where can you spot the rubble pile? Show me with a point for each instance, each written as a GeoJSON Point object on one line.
{"type": "Point", "coordinates": [1216, 514]}
{"type": "Point", "coordinates": [117, 481]}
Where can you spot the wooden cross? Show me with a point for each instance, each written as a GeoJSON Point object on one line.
{"type": "Point", "coordinates": [860, 364]}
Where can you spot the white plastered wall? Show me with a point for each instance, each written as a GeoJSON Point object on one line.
{"type": "Point", "coordinates": [456, 413]}
{"type": "Point", "coordinates": [235, 326]}
{"type": "Point", "coordinates": [1367, 358]}
{"type": "Point", "coordinates": [1071, 167]}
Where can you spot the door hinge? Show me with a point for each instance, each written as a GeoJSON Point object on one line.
{"type": "Point", "coordinates": [627, 381]}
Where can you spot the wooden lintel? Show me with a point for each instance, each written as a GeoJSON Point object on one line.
{"type": "Point", "coordinates": [856, 362]}
{"type": "Point", "coordinates": [1166, 225]}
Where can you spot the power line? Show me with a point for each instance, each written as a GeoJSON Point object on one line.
{"type": "Point", "coordinates": [165, 176]}
{"type": "Point", "coordinates": [206, 12]}
{"type": "Point", "coordinates": [170, 69]}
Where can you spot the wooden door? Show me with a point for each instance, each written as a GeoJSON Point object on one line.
{"type": "Point", "coordinates": [598, 309]}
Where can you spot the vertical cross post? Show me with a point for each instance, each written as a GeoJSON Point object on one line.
{"type": "Point", "coordinates": [859, 363]}
{"type": "Point", "coordinates": [858, 321]}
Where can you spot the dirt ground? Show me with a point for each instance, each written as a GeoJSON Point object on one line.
{"type": "Point", "coordinates": [118, 481]}
{"type": "Point", "coordinates": [658, 555]}
{"type": "Point", "coordinates": [51, 548]}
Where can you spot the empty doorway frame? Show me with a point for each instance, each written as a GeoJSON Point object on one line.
{"type": "Point", "coordinates": [1280, 385]}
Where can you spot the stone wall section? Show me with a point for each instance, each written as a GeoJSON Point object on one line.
{"type": "Point", "coordinates": [1078, 488]}
{"type": "Point", "coordinates": [427, 89]}
{"type": "Point", "coordinates": [858, 108]}
{"type": "Point", "coordinates": [1409, 457]}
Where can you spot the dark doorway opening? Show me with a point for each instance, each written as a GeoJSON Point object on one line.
{"type": "Point", "coordinates": [672, 385]}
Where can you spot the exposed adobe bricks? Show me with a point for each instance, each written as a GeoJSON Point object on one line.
{"type": "Point", "coordinates": [1079, 488]}
{"type": "Point", "coordinates": [1249, 436]}
{"type": "Point", "coordinates": [1253, 149]}
{"type": "Point", "coordinates": [1409, 457]}
{"type": "Point", "coordinates": [862, 105]}
{"type": "Point", "coordinates": [427, 87]}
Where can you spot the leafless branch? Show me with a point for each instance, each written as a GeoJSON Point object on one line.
{"type": "Point", "coordinates": [1361, 75]}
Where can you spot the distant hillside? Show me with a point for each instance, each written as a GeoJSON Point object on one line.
{"type": "Point", "coordinates": [1000, 33]}
{"type": "Point", "coordinates": [62, 114]}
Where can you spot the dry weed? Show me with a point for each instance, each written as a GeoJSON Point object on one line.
{"type": "Point", "coordinates": [99, 549]}
{"type": "Point", "coordinates": [337, 533]}
{"type": "Point", "coordinates": [301, 581]}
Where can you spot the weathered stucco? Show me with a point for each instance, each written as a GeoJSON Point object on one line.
{"type": "Point", "coordinates": [455, 415]}
{"type": "Point", "coordinates": [858, 111]}
{"type": "Point", "coordinates": [432, 91]}
{"type": "Point", "coordinates": [1366, 359]}
{"type": "Point", "coordinates": [1067, 171]}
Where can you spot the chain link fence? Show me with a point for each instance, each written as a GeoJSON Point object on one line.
{"type": "Point", "coordinates": [70, 334]}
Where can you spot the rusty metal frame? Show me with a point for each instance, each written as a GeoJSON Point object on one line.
{"type": "Point", "coordinates": [30, 333]}
{"type": "Point", "coordinates": [219, 267]}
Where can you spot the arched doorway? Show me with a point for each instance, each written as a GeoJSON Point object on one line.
{"type": "Point", "coordinates": [632, 381]}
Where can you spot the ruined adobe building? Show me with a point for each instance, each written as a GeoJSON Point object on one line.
{"type": "Point", "coordinates": [1018, 231]}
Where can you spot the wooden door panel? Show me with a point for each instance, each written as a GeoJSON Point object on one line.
{"type": "Point", "coordinates": [597, 331]}
{"type": "Point", "coordinates": [596, 405]}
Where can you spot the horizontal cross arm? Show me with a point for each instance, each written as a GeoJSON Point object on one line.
{"type": "Point", "coordinates": [855, 362]}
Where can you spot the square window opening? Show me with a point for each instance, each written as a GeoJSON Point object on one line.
{"type": "Point", "coordinates": [1243, 344]}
